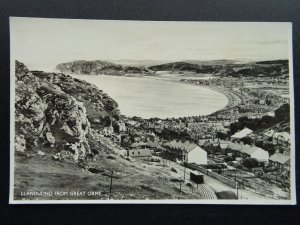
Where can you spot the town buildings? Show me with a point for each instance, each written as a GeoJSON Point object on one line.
{"type": "Point", "coordinates": [241, 134]}
{"type": "Point", "coordinates": [185, 151]}
{"type": "Point", "coordinates": [142, 153]}
{"type": "Point", "coordinates": [280, 161]}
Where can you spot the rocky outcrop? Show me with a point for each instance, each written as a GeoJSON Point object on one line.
{"type": "Point", "coordinates": [101, 67]}
{"type": "Point", "coordinates": [83, 67]}
{"type": "Point", "coordinates": [97, 104]}
{"type": "Point", "coordinates": [48, 112]}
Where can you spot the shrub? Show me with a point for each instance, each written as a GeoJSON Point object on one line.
{"type": "Point", "coordinates": [250, 163]}
{"type": "Point", "coordinates": [228, 158]}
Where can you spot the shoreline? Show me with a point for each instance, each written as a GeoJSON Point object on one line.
{"type": "Point", "coordinates": [177, 79]}
{"type": "Point", "coordinates": [231, 102]}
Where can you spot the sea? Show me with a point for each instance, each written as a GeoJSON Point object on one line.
{"type": "Point", "coordinates": [150, 97]}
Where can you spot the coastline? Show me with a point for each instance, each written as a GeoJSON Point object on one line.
{"type": "Point", "coordinates": [227, 93]}
{"type": "Point", "coordinates": [232, 99]}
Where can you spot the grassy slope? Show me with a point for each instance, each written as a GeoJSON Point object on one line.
{"type": "Point", "coordinates": [132, 180]}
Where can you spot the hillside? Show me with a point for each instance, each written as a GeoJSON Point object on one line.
{"type": "Point", "coordinates": [135, 180]}
{"type": "Point", "coordinates": [138, 63]}
{"type": "Point", "coordinates": [97, 103]}
{"type": "Point", "coordinates": [83, 66]}
{"type": "Point", "coordinates": [58, 150]}
{"type": "Point", "coordinates": [275, 68]}
{"type": "Point", "coordinates": [53, 110]}
{"type": "Point", "coordinates": [101, 67]}
{"type": "Point", "coordinates": [226, 68]}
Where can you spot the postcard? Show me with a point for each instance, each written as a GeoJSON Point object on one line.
{"type": "Point", "coordinates": [106, 111]}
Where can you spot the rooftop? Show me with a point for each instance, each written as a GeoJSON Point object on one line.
{"type": "Point", "coordinates": [286, 136]}
{"type": "Point", "coordinates": [186, 145]}
{"type": "Point", "coordinates": [242, 133]}
{"type": "Point", "coordinates": [280, 158]}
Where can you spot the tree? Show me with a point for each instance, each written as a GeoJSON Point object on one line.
{"type": "Point", "coordinates": [221, 135]}
{"type": "Point", "coordinates": [247, 140]}
{"type": "Point", "coordinates": [234, 127]}
{"type": "Point", "coordinates": [251, 163]}
{"type": "Point", "coordinates": [228, 159]}
{"type": "Point", "coordinates": [283, 112]}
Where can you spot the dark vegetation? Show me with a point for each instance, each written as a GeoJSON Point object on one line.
{"type": "Point", "coordinates": [282, 114]}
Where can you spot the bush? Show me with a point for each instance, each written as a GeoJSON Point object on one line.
{"type": "Point", "coordinates": [228, 159]}
{"type": "Point", "coordinates": [247, 140]}
{"type": "Point", "coordinates": [250, 163]}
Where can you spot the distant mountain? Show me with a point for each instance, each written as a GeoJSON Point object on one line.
{"type": "Point", "coordinates": [272, 68]}
{"type": "Point", "coordinates": [230, 68]}
{"type": "Point", "coordinates": [214, 62]}
{"type": "Point", "coordinates": [282, 62]}
{"type": "Point", "coordinates": [177, 67]}
{"type": "Point", "coordinates": [233, 68]}
{"type": "Point", "coordinates": [132, 62]}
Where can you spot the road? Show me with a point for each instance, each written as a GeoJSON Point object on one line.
{"type": "Point", "coordinates": [216, 185]}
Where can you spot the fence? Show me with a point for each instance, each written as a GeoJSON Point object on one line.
{"type": "Point", "coordinates": [214, 175]}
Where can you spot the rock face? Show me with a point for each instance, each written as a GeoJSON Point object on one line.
{"type": "Point", "coordinates": [48, 112]}
{"type": "Point", "coordinates": [83, 67]}
{"type": "Point", "coordinates": [97, 104]}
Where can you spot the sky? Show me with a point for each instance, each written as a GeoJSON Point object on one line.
{"type": "Point", "coordinates": [44, 43]}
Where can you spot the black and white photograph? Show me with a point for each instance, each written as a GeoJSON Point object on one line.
{"type": "Point", "coordinates": [119, 111]}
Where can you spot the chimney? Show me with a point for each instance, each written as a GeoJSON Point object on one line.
{"type": "Point", "coordinates": [277, 149]}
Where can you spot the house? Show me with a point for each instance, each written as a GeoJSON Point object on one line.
{"type": "Point", "coordinates": [139, 153]}
{"type": "Point", "coordinates": [255, 153]}
{"type": "Point", "coordinates": [272, 113]}
{"type": "Point", "coordinates": [282, 138]}
{"type": "Point", "coordinates": [269, 134]}
{"type": "Point", "coordinates": [151, 145]}
{"type": "Point", "coordinates": [241, 134]}
{"type": "Point", "coordinates": [202, 142]}
{"type": "Point", "coordinates": [185, 151]}
{"type": "Point", "coordinates": [280, 161]}
{"type": "Point", "coordinates": [224, 145]}
{"type": "Point", "coordinates": [140, 144]}
{"type": "Point", "coordinates": [234, 148]}
{"type": "Point", "coordinates": [248, 151]}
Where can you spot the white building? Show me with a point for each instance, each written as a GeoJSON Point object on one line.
{"type": "Point", "coordinates": [256, 153]}
{"type": "Point", "coordinates": [281, 161]}
{"type": "Point", "coordinates": [249, 151]}
{"type": "Point", "coordinates": [241, 134]}
{"type": "Point", "coordinates": [186, 151]}
{"type": "Point", "coordinates": [282, 138]}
